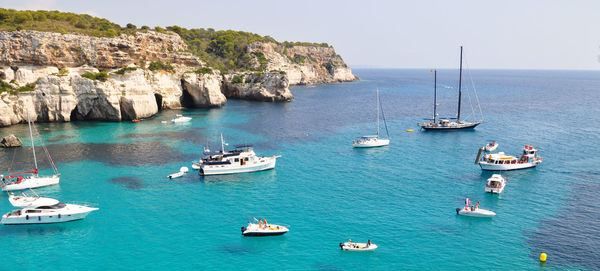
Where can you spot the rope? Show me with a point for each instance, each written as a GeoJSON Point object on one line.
{"type": "Point", "coordinates": [12, 160]}
{"type": "Point", "coordinates": [46, 150]}
{"type": "Point", "coordinates": [475, 92]}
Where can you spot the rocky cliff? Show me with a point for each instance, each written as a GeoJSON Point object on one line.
{"type": "Point", "coordinates": [64, 77]}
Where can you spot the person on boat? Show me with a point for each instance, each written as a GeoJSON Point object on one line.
{"type": "Point", "coordinates": [369, 243]}
{"type": "Point", "coordinates": [477, 207]}
{"type": "Point", "coordinates": [260, 223]}
{"type": "Point", "coordinates": [472, 207]}
{"type": "Point", "coordinates": [265, 222]}
{"type": "Point", "coordinates": [349, 242]}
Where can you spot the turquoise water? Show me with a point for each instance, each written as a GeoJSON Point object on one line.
{"type": "Point", "coordinates": [402, 197]}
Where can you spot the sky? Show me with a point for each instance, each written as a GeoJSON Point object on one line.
{"type": "Point", "coordinates": [503, 34]}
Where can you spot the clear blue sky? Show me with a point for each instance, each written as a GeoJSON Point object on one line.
{"type": "Point", "coordinates": [503, 34]}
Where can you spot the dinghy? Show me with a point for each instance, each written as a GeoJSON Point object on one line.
{"type": "Point", "coordinates": [181, 118]}
{"type": "Point", "coordinates": [495, 184]}
{"type": "Point", "coordinates": [182, 171]}
{"type": "Point", "coordinates": [474, 211]}
{"type": "Point", "coordinates": [349, 246]}
{"type": "Point", "coordinates": [490, 146]}
{"type": "Point", "coordinates": [263, 228]}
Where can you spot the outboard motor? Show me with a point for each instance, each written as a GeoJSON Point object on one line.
{"type": "Point", "coordinates": [457, 210]}
{"type": "Point", "coordinates": [243, 229]}
{"type": "Point", "coordinates": [342, 246]}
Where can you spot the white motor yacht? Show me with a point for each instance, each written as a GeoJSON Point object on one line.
{"type": "Point", "coordinates": [501, 162]}
{"type": "Point", "coordinates": [45, 214]}
{"type": "Point", "coordinates": [374, 140]}
{"type": "Point", "coordinates": [350, 246]}
{"type": "Point", "coordinates": [180, 118]}
{"type": "Point", "coordinates": [260, 228]}
{"type": "Point", "coordinates": [242, 159]}
{"type": "Point", "coordinates": [495, 184]}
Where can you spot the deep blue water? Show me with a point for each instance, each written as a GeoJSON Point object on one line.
{"type": "Point", "coordinates": [402, 197]}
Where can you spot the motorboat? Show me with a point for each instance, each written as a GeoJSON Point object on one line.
{"type": "Point", "coordinates": [182, 171]}
{"type": "Point", "coordinates": [501, 162]}
{"type": "Point", "coordinates": [45, 214]}
{"type": "Point", "coordinates": [15, 181]}
{"type": "Point", "coordinates": [451, 123]}
{"type": "Point", "coordinates": [30, 199]}
{"type": "Point", "coordinates": [349, 246]}
{"type": "Point", "coordinates": [180, 118]}
{"type": "Point", "coordinates": [490, 146]}
{"type": "Point", "coordinates": [260, 228]}
{"type": "Point", "coordinates": [474, 211]}
{"type": "Point", "coordinates": [495, 184]}
{"type": "Point", "coordinates": [241, 159]}
{"type": "Point", "coordinates": [374, 140]}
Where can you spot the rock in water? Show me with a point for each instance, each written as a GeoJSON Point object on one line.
{"type": "Point", "coordinates": [11, 141]}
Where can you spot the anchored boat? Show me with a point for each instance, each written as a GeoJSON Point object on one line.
{"type": "Point", "coordinates": [241, 159]}
{"type": "Point", "coordinates": [474, 211]}
{"type": "Point", "coordinates": [180, 118]}
{"type": "Point", "coordinates": [374, 140]}
{"type": "Point", "coordinates": [495, 184]}
{"type": "Point", "coordinates": [350, 246]}
{"type": "Point", "coordinates": [263, 228]}
{"type": "Point", "coordinates": [501, 162]}
{"type": "Point", "coordinates": [448, 124]}
{"type": "Point", "coordinates": [14, 181]}
{"type": "Point", "coordinates": [45, 214]}
{"type": "Point", "coordinates": [491, 146]}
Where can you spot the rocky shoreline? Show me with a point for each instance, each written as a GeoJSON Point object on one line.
{"type": "Point", "coordinates": [65, 77]}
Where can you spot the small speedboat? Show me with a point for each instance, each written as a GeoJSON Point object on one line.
{"type": "Point", "coordinates": [349, 246]}
{"type": "Point", "coordinates": [182, 171]}
{"type": "Point", "coordinates": [490, 146]}
{"type": "Point", "coordinates": [45, 214]}
{"type": "Point", "coordinates": [495, 184]}
{"type": "Point", "coordinates": [263, 229]}
{"type": "Point", "coordinates": [181, 118]}
{"type": "Point", "coordinates": [474, 211]}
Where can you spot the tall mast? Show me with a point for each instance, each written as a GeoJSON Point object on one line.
{"type": "Point", "coordinates": [434, 94]}
{"type": "Point", "coordinates": [459, 85]}
{"type": "Point", "coordinates": [378, 113]}
{"type": "Point", "coordinates": [222, 144]}
{"type": "Point", "coordinates": [31, 136]}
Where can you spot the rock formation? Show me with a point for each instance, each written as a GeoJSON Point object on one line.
{"type": "Point", "coordinates": [11, 141]}
{"type": "Point", "coordinates": [54, 76]}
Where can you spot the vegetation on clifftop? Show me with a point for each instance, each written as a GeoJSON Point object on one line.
{"type": "Point", "coordinates": [224, 50]}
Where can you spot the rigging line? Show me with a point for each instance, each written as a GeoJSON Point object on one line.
{"type": "Point", "coordinates": [46, 150]}
{"type": "Point", "coordinates": [12, 160]}
{"type": "Point", "coordinates": [475, 92]}
{"type": "Point", "coordinates": [383, 115]}
{"type": "Point", "coordinates": [468, 94]}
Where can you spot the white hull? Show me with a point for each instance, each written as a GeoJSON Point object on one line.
{"type": "Point", "coordinates": [32, 182]}
{"type": "Point", "coordinates": [494, 190]}
{"type": "Point", "coordinates": [175, 175]}
{"type": "Point", "coordinates": [73, 212]}
{"type": "Point", "coordinates": [476, 213]}
{"type": "Point", "coordinates": [357, 246]}
{"type": "Point", "coordinates": [371, 143]}
{"type": "Point", "coordinates": [265, 163]}
{"type": "Point", "coordinates": [181, 119]}
{"type": "Point", "coordinates": [504, 167]}
{"type": "Point", "coordinates": [255, 230]}
{"type": "Point", "coordinates": [490, 148]}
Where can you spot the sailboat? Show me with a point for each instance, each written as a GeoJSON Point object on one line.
{"type": "Point", "coordinates": [34, 180]}
{"type": "Point", "coordinates": [446, 124]}
{"type": "Point", "coordinates": [374, 140]}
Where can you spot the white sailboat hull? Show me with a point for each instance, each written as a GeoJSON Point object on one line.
{"type": "Point", "coordinates": [32, 182]}
{"type": "Point", "coordinates": [371, 143]}
{"type": "Point", "coordinates": [265, 163]}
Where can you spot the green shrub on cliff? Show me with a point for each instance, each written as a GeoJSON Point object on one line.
{"type": "Point", "coordinates": [157, 66]}
{"type": "Point", "coordinates": [237, 79]}
{"type": "Point", "coordinates": [126, 69]}
{"type": "Point", "coordinates": [100, 76]}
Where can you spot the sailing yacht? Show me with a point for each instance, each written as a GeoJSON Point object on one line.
{"type": "Point", "coordinates": [374, 140]}
{"type": "Point", "coordinates": [34, 180]}
{"type": "Point", "coordinates": [446, 124]}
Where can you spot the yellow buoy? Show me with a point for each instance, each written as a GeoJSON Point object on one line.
{"type": "Point", "coordinates": [543, 257]}
{"type": "Point", "coordinates": [410, 130]}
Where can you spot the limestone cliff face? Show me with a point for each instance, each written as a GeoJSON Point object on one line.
{"type": "Point", "coordinates": [304, 64]}
{"type": "Point", "coordinates": [268, 86]}
{"type": "Point", "coordinates": [42, 74]}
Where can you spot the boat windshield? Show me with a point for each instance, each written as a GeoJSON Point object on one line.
{"type": "Point", "coordinates": [55, 206]}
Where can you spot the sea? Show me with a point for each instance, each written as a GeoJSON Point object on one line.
{"type": "Point", "coordinates": [401, 197]}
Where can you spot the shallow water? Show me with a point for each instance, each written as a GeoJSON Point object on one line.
{"type": "Point", "coordinates": [402, 197]}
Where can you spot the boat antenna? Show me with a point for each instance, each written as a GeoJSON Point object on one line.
{"type": "Point", "coordinates": [434, 94]}
{"type": "Point", "coordinates": [31, 136]}
{"type": "Point", "coordinates": [459, 84]}
{"type": "Point", "coordinates": [377, 112]}
{"type": "Point", "coordinates": [383, 115]}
